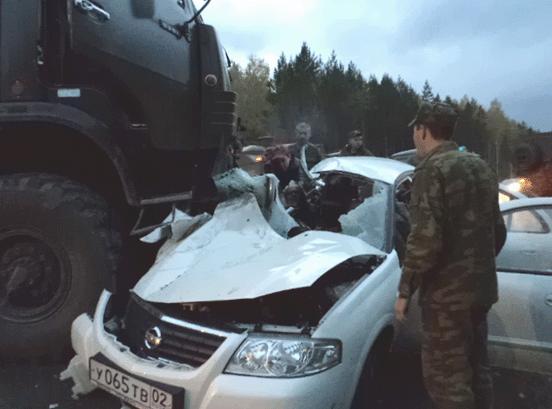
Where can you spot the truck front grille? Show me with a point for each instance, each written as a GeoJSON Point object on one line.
{"type": "Point", "coordinates": [180, 341]}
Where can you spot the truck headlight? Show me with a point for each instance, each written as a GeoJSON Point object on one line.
{"type": "Point", "coordinates": [284, 357]}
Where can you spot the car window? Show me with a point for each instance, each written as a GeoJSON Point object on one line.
{"type": "Point", "coordinates": [344, 203]}
{"type": "Point", "coordinates": [529, 241]}
{"type": "Point", "coordinates": [525, 221]}
{"type": "Point", "coordinates": [547, 211]}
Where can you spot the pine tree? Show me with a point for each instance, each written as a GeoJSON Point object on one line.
{"type": "Point", "coordinates": [336, 100]}
{"type": "Point", "coordinates": [295, 87]}
{"type": "Point", "coordinates": [427, 92]}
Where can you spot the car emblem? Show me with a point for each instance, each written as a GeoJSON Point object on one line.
{"type": "Point", "coordinates": [153, 338]}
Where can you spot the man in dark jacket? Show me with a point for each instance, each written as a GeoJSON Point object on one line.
{"type": "Point", "coordinates": [355, 145]}
{"type": "Point", "coordinates": [457, 230]}
{"type": "Point", "coordinates": [307, 153]}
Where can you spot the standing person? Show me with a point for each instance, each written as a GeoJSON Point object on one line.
{"type": "Point", "coordinates": [307, 153]}
{"type": "Point", "coordinates": [457, 230]}
{"type": "Point", "coordinates": [355, 145]}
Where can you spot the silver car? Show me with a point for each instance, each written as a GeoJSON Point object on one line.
{"type": "Point", "coordinates": [256, 306]}
{"type": "Point", "coordinates": [251, 159]}
{"type": "Point", "coordinates": [520, 323]}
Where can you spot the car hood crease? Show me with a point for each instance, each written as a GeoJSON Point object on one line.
{"type": "Point", "coordinates": [237, 255]}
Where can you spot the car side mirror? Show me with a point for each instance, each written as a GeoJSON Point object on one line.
{"type": "Point", "coordinates": [143, 9]}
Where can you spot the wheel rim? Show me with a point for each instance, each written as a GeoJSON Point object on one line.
{"type": "Point", "coordinates": [34, 280]}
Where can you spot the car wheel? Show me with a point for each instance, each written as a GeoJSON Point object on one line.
{"type": "Point", "coordinates": [369, 392]}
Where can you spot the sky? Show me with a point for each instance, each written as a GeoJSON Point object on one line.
{"type": "Point", "coordinates": [485, 49]}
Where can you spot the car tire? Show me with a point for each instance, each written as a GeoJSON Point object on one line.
{"type": "Point", "coordinates": [370, 392]}
{"type": "Point", "coordinates": [59, 241]}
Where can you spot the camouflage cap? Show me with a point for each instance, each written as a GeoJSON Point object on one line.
{"type": "Point", "coordinates": [355, 134]}
{"type": "Point", "coordinates": [434, 113]}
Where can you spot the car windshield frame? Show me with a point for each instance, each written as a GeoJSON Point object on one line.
{"type": "Point", "coordinates": [388, 190]}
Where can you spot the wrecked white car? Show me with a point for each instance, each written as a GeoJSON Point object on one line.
{"type": "Point", "coordinates": [252, 308]}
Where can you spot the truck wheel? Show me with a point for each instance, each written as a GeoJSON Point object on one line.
{"type": "Point", "coordinates": [58, 243]}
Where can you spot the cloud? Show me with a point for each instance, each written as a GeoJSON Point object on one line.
{"type": "Point", "coordinates": [442, 22]}
{"type": "Point", "coordinates": [264, 28]}
{"type": "Point", "coordinates": [260, 13]}
{"type": "Point", "coordinates": [534, 108]}
{"type": "Point", "coordinates": [486, 49]}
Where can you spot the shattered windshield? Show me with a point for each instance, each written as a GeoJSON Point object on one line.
{"type": "Point", "coordinates": [367, 220]}
{"type": "Point", "coordinates": [343, 203]}
{"type": "Point", "coordinates": [337, 201]}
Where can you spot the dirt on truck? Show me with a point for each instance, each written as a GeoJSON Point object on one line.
{"type": "Point", "coordinates": [111, 112]}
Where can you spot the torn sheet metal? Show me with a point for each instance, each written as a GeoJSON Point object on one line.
{"type": "Point", "coordinates": [180, 224]}
{"type": "Point", "coordinates": [78, 372]}
{"type": "Point", "coordinates": [236, 182]}
{"type": "Point", "coordinates": [382, 169]}
{"type": "Point", "coordinates": [279, 218]}
{"type": "Point", "coordinates": [237, 255]}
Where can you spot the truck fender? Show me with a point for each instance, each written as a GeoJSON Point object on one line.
{"type": "Point", "coordinates": [79, 121]}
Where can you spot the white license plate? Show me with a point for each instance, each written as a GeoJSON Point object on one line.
{"type": "Point", "coordinates": [134, 391]}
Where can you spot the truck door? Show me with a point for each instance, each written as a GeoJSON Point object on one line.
{"type": "Point", "coordinates": [157, 66]}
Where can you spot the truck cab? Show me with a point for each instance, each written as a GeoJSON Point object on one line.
{"type": "Point", "coordinates": [108, 109]}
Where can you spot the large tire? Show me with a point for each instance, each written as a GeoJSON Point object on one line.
{"type": "Point", "coordinates": [59, 241]}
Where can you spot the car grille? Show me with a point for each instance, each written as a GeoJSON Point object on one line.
{"type": "Point", "coordinates": [181, 342]}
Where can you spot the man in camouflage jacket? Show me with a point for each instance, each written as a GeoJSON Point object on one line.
{"type": "Point", "coordinates": [355, 145]}
{"type": "Point", "coordinates": [457, 230]}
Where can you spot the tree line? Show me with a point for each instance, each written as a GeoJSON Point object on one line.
{"type": "Point", "coordinates": [336, 99]}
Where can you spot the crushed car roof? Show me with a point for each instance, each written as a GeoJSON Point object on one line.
{"type": "Point", "coordinates": [382, 169]}
{"type": "Point", "coordinates": [237, 255]}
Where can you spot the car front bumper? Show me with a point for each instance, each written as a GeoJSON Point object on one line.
{"type": "Point", "coordinates": [206, 387]}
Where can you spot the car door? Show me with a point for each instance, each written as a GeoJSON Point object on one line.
{"type": "Point", "coordinates": [520, 324]}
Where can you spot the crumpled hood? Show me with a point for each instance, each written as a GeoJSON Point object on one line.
{"type": "Point", "coordinates": [237, 255]}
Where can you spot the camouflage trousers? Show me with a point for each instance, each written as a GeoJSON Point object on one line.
{"type": "Point", "coordinates": [454, 356]}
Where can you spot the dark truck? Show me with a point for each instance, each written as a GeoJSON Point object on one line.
{"type": "Point", "coordinates": [532, 162]}
{"type": "Point", "coordinates": [111, 111]}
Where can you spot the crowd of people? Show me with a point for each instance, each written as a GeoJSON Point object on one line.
{"type": "Point", "coordinates": [292, 162]}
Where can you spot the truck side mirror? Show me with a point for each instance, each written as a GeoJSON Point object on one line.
{"type": "Point", "coordinates": [144, 9]}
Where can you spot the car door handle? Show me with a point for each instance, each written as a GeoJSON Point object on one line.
{"type": "Point", "coordinates": [548, 300]}
{"type": "Point", "coordinates": [93, 10]}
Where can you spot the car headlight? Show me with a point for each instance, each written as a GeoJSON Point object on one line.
{"type": "Point", "coordinates": [284, 357]}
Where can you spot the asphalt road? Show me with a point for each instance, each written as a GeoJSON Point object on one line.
{"type": "Point", "coordinates": [25, 386]}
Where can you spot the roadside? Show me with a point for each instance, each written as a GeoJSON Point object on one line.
{"type": "Point", "coordinates": [26, 386]}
